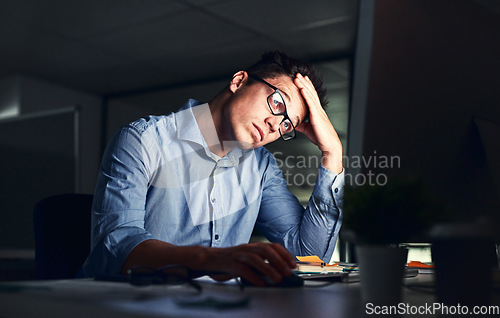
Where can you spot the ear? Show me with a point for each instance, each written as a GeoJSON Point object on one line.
{"type": "Point", "coordinates": [238, 80]}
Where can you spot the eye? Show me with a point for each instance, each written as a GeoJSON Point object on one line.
{"type": "Point", "coordinates": [286, 126]}
{"type": "Point", "coordinates": [277, 103]}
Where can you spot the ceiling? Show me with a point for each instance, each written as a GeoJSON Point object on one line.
{"type": "Point", "coordinates": [113, 47]}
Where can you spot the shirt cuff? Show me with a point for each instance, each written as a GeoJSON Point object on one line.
{"type": "Point", "coordinates": [329, 186]}
{"type": "Point", "coordinates": [338, 186]}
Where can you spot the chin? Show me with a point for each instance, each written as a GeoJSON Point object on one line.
{"type": "Point", "coordinates": [246, 142]}
{"type": "Point", "coordinates": [247, 145]}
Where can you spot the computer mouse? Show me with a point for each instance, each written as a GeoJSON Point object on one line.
{"type": "Point", "coordinates": [293, 280]}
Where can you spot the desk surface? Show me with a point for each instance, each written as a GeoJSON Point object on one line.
{"type": "Point", "coordinates": [89, 298]}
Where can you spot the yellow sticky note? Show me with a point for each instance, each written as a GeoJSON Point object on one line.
{"type": "Point", "coordinates": [310, 259]}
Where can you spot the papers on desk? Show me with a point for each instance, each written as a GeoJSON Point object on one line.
{"type": "Point", "coordinates": [312, 267]}
{"type": "Point", "coordinates": [313, 264]}
{"type": "Point", "coordinates": [423, 268]}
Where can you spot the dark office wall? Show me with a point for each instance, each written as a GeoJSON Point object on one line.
{"type": "Point", "coordinates": [38, 159]}
{"type": "Point", "coordinates": [37, 95]}
{"type": "Point", "coordinates": [44, 150]}
{"type": "Point", "coordinates": [434, 67]}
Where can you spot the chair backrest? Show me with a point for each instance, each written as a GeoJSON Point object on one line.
{"type": "Point", "coordinates": [62, 235]}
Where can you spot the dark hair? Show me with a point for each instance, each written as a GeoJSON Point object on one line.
{"type": "Point", "coordinates": [276, 63]}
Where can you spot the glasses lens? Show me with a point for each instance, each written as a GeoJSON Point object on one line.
{"type": "Point", "coordinates": [286, 129]}
{"type": "Point", "coordinates": [276, 103]}
{"type": "Point", "coordinates": [286, 126]}
{"type": "Point", "coordinates": [288, 135]}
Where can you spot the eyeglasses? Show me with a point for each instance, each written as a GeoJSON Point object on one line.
{"type": "Point", "coordinates": [168, 275]}
{"type": "Point", "coordinates": [277, 107]}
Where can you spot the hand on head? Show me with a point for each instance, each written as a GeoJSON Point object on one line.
{"type": "Point", "coordinates": [319, 129]}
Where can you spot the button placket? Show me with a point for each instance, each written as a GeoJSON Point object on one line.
{"type": "Point", "coordinates": [214, 195]}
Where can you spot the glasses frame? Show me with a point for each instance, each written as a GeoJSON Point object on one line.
{"type": "Point", "coordinates": [285, 137]}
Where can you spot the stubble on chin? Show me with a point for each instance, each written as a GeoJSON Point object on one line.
{"type": "Point", "coordinates": [242, 142]}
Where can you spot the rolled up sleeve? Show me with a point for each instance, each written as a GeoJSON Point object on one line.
{"type": "Point", "coordinates": [310, 231]}
{"type": "Point", "coordinates": [118, 209]}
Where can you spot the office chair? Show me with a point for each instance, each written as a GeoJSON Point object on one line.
{"type": "Point", "coordinates": [62, 235]}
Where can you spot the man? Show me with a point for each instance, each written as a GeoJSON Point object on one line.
{"type": "Point", "coordinates": [188, 188]}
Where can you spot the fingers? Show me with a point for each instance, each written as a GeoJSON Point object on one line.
{"type": "Point", "coordinates": [317, 115]}
{"type": "Point", "coordinates": [258, 262]}
{"type": "Point", "coordinates": [277, 261]}
{"type": "Point", "coordinates": [271, 260]}
{"type": "Point", "coordinates": [261, 268]}
{"type": "Point", "coordinates": [319, 129]}
{"type": "Point", "coordinates": [285, 255]}
{"type": "Point", "coordinates": [308, 91]}
{"type": "Point", "coordinates": [310, 95]}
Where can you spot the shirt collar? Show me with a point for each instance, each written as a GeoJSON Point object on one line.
{"type": "Point", "coordinates": [188, 129]}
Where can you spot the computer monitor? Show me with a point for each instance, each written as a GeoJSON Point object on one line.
{"type": "Point", "coordinates": [426, 102]}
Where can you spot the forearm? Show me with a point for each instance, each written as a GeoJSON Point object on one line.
{"type": "Point", "coordinates": [322, 219]}
{"type": "Point", "coordinates": [155, 253]}
{"type": "Point", "coordinates": [312, 231]}
{"type": "Point", "coordinates": [331, 157]}
{"type": "Point", "coordinates": [271, 260]}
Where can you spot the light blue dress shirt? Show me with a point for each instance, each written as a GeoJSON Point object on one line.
{"type": "Point", "coordinates": [159, 180]}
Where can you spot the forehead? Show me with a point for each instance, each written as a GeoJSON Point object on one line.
{"type": "Point", "coordinates": [295, 103]}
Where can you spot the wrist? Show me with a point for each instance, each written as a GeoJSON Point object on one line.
{"type": "Point", "coordinates": [332, 162]}
{"type": "Point", "coordinates": [201, 257]}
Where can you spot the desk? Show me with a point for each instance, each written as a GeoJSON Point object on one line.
{"type": "Point", "coordinates": [89, 298]}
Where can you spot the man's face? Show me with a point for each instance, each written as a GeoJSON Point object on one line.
{"type": "Point", "coordinates": [252, 123]}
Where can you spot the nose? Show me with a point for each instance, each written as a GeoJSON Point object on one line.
{"type": "Point", "coordinates": [273, 122]}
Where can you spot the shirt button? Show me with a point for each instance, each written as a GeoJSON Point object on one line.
{"type": "Point", "coordinates": [216, 236]}
{"type": "Point", "coordinates": [213, 200]}
{"type": "Point", "coordinates": [336, 190]}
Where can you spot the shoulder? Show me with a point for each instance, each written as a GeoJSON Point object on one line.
{"type": "Point", "coordinates": [265, 159]}
{"type": "Point", "coordinates": [150, 123]}
{"type": "Point", "coordinates": [161, 129]}
{"type": "Point", "coordinates": [263, 153]}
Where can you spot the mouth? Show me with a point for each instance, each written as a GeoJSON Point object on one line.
{"type": "Point", "coordinates": [258, 132]}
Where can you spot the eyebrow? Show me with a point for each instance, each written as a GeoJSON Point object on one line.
{"type": "Point", "coordinates": [283, 92]}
